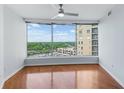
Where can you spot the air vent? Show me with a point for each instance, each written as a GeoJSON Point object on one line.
{"type": "Point", "coordinates": [109, 13]}
{"type": "Point", "coordinates": [28, 22]}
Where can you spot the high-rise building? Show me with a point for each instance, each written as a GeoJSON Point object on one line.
{"type": "Point", "coordinates": [87, 40]}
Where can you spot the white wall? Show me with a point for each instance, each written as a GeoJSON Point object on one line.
{"type": "Point", "coordinates": [1, 45]}
{"type": "Point", "coordinates": [111, 43]}
{"type": "Point", "coordinates": [14, 42]}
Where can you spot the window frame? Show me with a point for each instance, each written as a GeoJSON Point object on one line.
{"type": "Point", "coordinates": [52, 37]}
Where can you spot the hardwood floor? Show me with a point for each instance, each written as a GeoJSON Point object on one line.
{"type": "Point", "coordinates": [61, 77]}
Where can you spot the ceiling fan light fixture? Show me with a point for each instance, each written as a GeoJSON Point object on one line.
{"type": "Point", "coordinates": [61, 14]}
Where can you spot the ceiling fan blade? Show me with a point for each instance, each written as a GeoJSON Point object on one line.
{"type": "Point", "coordinates": [54, 17]}
{"type": "Point", "coordinates": [71, 14]}
{"type": "Point", "coordinates": [54, 6]}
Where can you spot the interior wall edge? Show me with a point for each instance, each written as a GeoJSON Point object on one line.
{"type": "Point", "coordinates": [14, 42]}
{"type": "Point", "coordinates": [12, 74]}
{"type": "Point", "coordinates": [106, 15]}
{"type": "Point", "coordinates": [1, 85]}
{"type": "Point", "coordinates": [110, 48]}
{"type": "Point", "coordinates": [1, 46]}
{"type": "Point", "coordinates": [111, 74]}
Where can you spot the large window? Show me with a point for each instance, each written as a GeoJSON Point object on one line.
{"type": "Point", "coordinates": [39, 40]}
{"type": "Point", "coordinates": [87, 40]}
{"type": "Point", "coordinates": [62, 40]}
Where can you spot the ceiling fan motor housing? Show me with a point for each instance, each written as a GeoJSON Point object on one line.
{"type": "Point", "coordinates": [61, 9]}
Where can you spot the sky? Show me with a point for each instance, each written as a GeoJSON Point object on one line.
{"type": "Point", "coordinates": [42, 33]}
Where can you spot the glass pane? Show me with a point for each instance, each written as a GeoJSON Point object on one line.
{"type": "Point", "coordinates": [64, 40]}
{"type": "Point", "coordinates": [39, 40]}
{"type": "Point", "coordinates": [87, 40]}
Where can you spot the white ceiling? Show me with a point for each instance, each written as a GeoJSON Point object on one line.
{"type": "Point", "coordinates": [47, 11]}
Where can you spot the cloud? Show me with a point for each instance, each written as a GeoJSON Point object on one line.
{"type": "Point", "coordinates": [35, 25]}
{"type": "Point", "coordinates": [54, 26]}
{"type": "Point", "coordinates": [63, 39]}
{"type": "Point", "coordinates": [72, 30]}
{"type": "Point", "coordinates": [61, 34]}
{"type": "Point", "coordinates": [39, 38]}
{"type": "Point", "coordinates": [42, 33]}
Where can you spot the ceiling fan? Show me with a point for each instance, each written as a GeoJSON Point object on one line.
{"type": "Point", "coordinates": [61, 13]}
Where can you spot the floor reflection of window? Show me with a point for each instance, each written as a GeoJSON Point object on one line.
{"type": "Point", "coordinates": [86, 79]}
{"type": "Point", "coordinates": [64, 80]}
{"type": "Point", "coordinates": [39, 81]}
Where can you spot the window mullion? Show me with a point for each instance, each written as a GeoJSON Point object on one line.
{"type": "Point", "coordinates": [51, 39]}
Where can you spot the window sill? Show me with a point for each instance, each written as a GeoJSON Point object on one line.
{"type": "Point", "coordinates": [49, 57]}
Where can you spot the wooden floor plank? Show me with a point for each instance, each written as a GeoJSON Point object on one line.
{"type": "Point", "coordinates": [62, 77]}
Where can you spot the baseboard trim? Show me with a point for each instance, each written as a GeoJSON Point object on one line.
{"type": "Point", "coordinates": [1, 85]}
{"type": "Point", "coordinates": [11, 75]}
{"type": "Point", "coordinates": [111, 74]}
